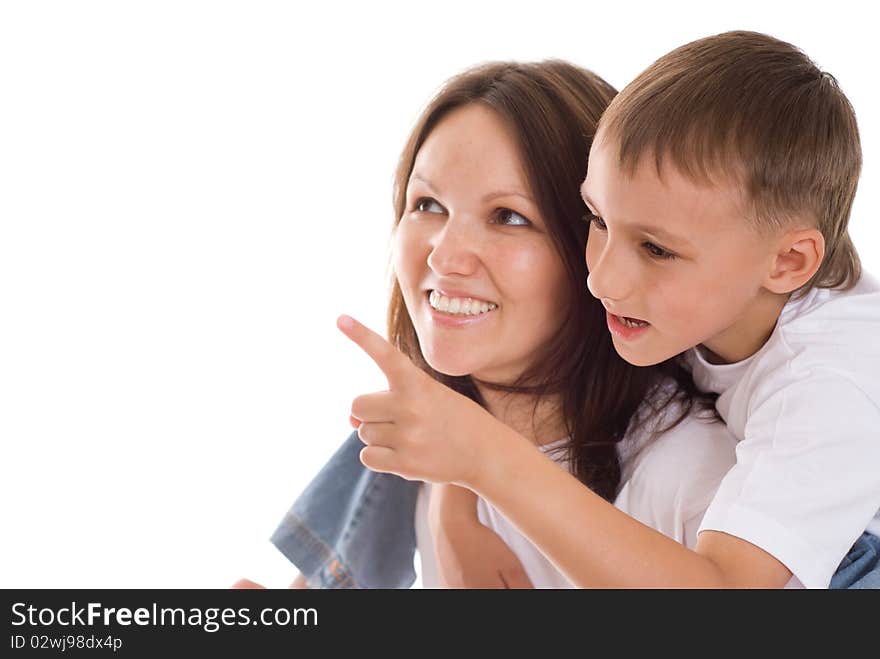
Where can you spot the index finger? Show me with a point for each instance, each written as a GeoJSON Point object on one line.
{"type": "Point", "coordinates": [394, 364]}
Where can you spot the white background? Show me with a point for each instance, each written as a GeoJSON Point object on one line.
{"type": "Point", "coordinates": [191, 192]}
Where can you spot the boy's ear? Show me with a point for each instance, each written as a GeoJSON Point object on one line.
{"type": "Point", "coordinates": [798, 257]}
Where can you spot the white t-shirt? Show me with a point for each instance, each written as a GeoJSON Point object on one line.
{"type": "Point", "coordinates": [667, 482]}
{"type": "Point", "coordinates": [805, 410]}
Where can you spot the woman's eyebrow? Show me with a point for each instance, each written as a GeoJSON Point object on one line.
{"type": "Point", "coordinates": [508, 193]}
{"type": "Point", "coordinates": [416, 176]}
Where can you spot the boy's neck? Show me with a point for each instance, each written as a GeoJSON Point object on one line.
{"type": "Point", "coordinates": [750, 331]}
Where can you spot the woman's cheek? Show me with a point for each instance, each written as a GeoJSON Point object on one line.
{"type": "Point", "coordinates": [540, 270]}
{"type": "Point", "coordinates": [405, 254]}
{"type": "Point", "coordinates": [523, 260]}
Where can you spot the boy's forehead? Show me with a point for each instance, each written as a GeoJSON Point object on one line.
{"type": "Point", "coordinates": [660, 193]}
{"type": "Point", "coordinates": [711, 172]}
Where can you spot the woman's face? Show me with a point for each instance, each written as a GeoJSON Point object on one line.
{"type": "Point", "coordinates": [481, 279]}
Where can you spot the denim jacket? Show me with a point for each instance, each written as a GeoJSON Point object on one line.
{"type": "Point", "coordinates": [352, 527]}
{"type": "Point", "coordinates": [355, 528]}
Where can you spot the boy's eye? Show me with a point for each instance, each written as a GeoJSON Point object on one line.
{"type": "Point", "coordinates": [511, 218]}
{"type": "Point", "coordinates": [596, 221]}
{"type": "Point", "coordinates": [428, 205]}
{"type": "Point", "coordinates": [658, 252]}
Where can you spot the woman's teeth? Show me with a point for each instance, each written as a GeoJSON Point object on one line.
{"type": "Point", "coordinates": [632, 322]}
{"type": "Point", "coordinates": [461, 306]}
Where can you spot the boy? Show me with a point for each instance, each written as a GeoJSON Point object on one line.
{"type": "Point", "coordinates": [719, 189]}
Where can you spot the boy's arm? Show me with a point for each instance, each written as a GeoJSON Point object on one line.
{"type": "Point", "coordinates": [596, 545]}
{"type": "Point", "coordinates": [469, 555]}
{"type": "Point", "coordinates": [420, 429]}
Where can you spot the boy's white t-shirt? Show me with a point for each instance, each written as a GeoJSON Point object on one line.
{"type": "Point", "coordinates": [805, 410]}
{"type": "Point", "coordinates": [667, 482]}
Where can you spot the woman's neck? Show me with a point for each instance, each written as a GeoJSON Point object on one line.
{"type": "Point", "coordinates": [541, 424]}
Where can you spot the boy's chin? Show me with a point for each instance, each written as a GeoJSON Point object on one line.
{"type": "Point", "coordinates": [638, 357]}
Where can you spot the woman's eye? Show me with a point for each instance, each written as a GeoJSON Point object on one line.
{"type": "Point", "coordinates": [596, 221]}
{"type": "Point", "coordinates": [658, 252]}
{"type": "Point", "coordinates": [511, 218]}
{"type": "Point", "coordinates": [428, 205]}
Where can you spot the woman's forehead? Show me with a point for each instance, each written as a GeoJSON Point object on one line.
{"type": "Point", "coordinates": [471, 146]}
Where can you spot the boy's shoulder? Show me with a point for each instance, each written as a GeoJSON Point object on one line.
{"type": "Point", "coordinates": [852, 308]}
{"type": "Point", "coordinates": [827, 336]}
{"type": "Point", "coordinates": [824, 348]}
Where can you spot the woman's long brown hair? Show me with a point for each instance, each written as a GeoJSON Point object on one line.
{"type": "Point", "coordinates": [553, 108]}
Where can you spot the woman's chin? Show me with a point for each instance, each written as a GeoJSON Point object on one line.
{"type": "Point", "coordinates": [452, 365]}
{"type": "Point", "coordinates": [449, 370]}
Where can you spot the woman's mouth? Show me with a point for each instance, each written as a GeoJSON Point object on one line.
{"type": "Point", "coordinates": [459, 306]}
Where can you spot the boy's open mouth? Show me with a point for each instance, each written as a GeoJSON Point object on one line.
{"type": "Point", "coordinates": [632, 322]}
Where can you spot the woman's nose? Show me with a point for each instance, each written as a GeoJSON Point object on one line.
{"type": "Point", "coordinates": [454, 248]}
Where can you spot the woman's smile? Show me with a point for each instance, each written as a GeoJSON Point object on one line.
{"type": "Point", "coordinates": [480, 276]}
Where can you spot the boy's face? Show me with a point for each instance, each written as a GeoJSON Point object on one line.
{"type": "Point", "coordinates": [676, 264]}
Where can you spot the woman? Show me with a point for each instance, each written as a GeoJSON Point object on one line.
{"type": "Point", "coordinates": [489, 299]}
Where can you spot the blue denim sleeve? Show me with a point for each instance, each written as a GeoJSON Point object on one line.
{"type": "Point", "coordinates": [860, 568]}
{"type": "Point", "coordinates": [352, 527]}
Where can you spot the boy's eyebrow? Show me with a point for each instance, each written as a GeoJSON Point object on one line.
{"type": "Point", "coordinates": [486, 198]}
{"type": "Point", "coordinates": [662, 234]}
{"type": "Point", "coordinates": [589, 202]}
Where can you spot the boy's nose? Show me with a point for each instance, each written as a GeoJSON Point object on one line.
{"type": "Point", "coordinates": [454, 249]}
{"type": "Point", "coordinates": [609, 278]}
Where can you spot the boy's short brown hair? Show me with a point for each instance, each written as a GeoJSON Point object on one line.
{"type": "Point", "coordinates": [755, 109]}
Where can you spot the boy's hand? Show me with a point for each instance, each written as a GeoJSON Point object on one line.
{"type": "Point", "coordinates": [419, 429]}
{"type": "Point", "coordinates": [469, 555]}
